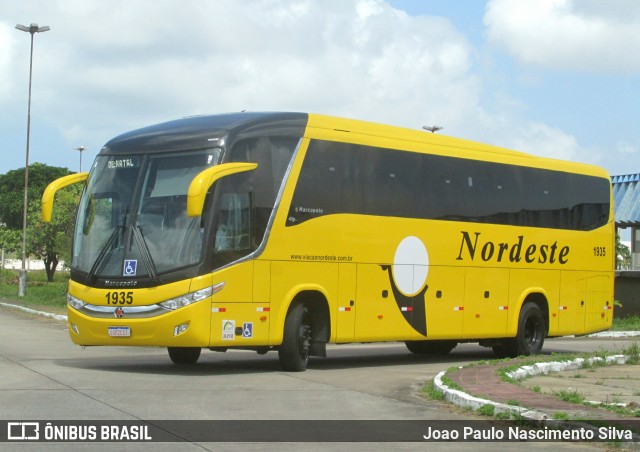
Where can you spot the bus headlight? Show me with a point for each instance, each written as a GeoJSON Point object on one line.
{"type": "Point", "coordinates": [193, 297]}
{"type": "Point", "coordinates": [74, 302]}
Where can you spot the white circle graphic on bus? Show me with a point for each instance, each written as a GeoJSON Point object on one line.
{"type": "Point", "coordinates": [410, 265]}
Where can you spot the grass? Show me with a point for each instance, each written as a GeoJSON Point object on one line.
{"type": "Point", "coordinates": [39, 291]}
{"type": "Point", "coordinates": [449, 382]}
{"type": "Point", "coordinates": [631, 323]}
{"type": "Point", "coordinates": [571, 396]}
{"type": "Point", "coordinates": [486, 410]}
{"type": "Point", "coordinates": [632, 353]}
{"type": "Point", "coordinates": [591, 364]}
{"type": "Point", "coordinates": [431, 392]}
{"type": "Point", "coordinates": [561, 416]}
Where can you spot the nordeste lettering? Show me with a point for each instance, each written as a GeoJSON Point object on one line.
{"type": "Point", "coordinates": [519, 251]}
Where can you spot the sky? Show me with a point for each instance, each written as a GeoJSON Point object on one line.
{"type": "Point", "coordinates": [557, 78]}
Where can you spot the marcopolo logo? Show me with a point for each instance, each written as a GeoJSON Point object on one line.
{"type": "Point", "coordinates": [517, 251]}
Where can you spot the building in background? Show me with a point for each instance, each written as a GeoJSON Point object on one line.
{"type": "Point", "coordinates": [626, 200]}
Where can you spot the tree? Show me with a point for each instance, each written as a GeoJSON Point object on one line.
{"type": "Point", "coordinates": [52, 241]}
{"type": "Point", "coordinates": [12, 190]}
{"type": "Point", "coordinates": [9, 239]}
{"type": "Point", "coordinates": [49, 241]}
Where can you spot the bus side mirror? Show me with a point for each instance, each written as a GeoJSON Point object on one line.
{"type": "Point", "coordinates": [203, 181]}
{"type": "Point", "coordinates": [50, 192]}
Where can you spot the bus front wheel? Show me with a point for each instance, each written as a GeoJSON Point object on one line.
{"type": "Point", "coordinates": [296, 343]}
{"type": "Point", "coordinates": [530, 338]}
{"type": "Point", "coordinates": [184, 355]}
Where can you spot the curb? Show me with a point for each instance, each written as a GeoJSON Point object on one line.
{"type": "Point", "coordinates": [531, 416]}
{"type": "Point", "coordinates": [558, 366]}
{"type": "Point", "coordinates": [33, 311]}
{"type": "Point", "coordinates": [464, 400]}
{"type": "Point", "coordinates": [614, 334]}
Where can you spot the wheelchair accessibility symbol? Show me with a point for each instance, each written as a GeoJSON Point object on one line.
{"type": "Point", "coordinates": [130, 267]}
{"type": "Point", "coordinates": [247, 330]}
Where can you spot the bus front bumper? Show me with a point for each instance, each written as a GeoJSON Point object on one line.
{"type": "Point", "coordinates": [185, 327]}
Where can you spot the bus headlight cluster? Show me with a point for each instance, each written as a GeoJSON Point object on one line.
{"type": "Point", "coordinates": [74, 302]}
{"type": "Point", "coordinates": [193, 297]}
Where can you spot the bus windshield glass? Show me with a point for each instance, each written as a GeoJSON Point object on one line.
{"type": "Point", "coordinates": [132, 219]}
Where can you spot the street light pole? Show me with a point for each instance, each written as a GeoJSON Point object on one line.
{"type": "Point", "coordinates": [22, 284]}
{"type": "Point", "coordinates": [80, 149]}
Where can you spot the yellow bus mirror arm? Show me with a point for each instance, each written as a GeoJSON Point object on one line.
{"type": "Point", "coordinates": [50, 192]}
{"type": "Point", "coordinates": [203, 181]}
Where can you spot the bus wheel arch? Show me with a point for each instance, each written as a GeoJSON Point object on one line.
{"type": "Point", "coordinates": [540, 300]}
{"type": "Point", "coordinates": [306, 330]}
{"type": "Point", "coordinates": [533, 327]}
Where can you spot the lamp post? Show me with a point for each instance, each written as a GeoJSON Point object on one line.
{"type": "Point", "coordinates": [80, 149]}
{"type": "Point", "coordinates": [22, 285]}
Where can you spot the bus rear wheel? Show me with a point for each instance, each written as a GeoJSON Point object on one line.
{"type": "Point", "coordinates": [530, 338]}
{"type": "Point", "coordinates": [440, 348]}
{"type": "Point", "coordinates": [296, 343]}
{"type": "Point", "coordinates": [184, 355]}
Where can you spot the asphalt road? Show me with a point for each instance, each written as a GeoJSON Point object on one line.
{"type": "Point", "coordinates": [44, 376]}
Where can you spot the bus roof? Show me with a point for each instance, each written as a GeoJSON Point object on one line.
{"type": "Point", "coordinates": [446, 145]}
{"type": "Point", "coordinates": [205, 131]}
{"type": "Point", "coordinates": [202, 131]}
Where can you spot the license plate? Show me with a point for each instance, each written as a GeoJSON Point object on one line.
{"type": "Point", "coordinates": [119, 331]}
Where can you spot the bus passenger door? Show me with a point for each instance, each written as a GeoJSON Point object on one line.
{"type": "Point", "coordinates": [346, 308]}
{"type": "Point", "coordinates": [572, 307]}
{"type": "Point", "coordinates": [486, 302]}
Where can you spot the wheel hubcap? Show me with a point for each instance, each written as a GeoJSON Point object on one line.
{"type": "Point", "coordinates": [305, 340]}
{"type": "Point", "coordinates": [532, 333]}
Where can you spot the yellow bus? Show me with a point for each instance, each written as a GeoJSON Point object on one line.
{"type": "Point", "coordinates": [289, 231]}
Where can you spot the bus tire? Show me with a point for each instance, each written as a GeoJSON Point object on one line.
{"type": "Point", "coordinates": [184, 355]}
{"type": "Point", "coordinates": [531, 330]}
{"type": "Point", "coordinates": [530, 338]}
{"type": "Point", "coordinates": [296, 343]}
{"type": "Point", "coordinates": [440, 348]}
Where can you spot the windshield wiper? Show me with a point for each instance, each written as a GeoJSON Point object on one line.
{"type": "Point", "coordinates": [108, 246]}
{"type": "Point", "coordinates": [144, 252]}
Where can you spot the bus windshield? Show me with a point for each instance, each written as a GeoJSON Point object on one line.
{"type": "Point", "coordinates": [132, 219]}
